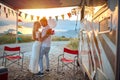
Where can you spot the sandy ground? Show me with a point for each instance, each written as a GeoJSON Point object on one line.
{"type": "Point", "coordinates": [15, 73]}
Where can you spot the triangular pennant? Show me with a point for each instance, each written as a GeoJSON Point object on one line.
{"type": "Point", "coordinates": [6, 15]}
{"type": "Point", "coordinates": [62, 17]}
{"type": "Point", "coordinates": [20, 13]}
{"type": "Point", "coordinates": [9, 11]}
{"type": "Point", "coordinates": [26, 15]}
{"type": "Point", "coordinates": [13, 12]}
{"type": "Point", "coordinates": [38, 18]}
{"type": "Point", "coordinates": [31, 17]}
{"type": "Point", "coordinates": [56, 17]}
{"type": "Point", "coordinates": [73, 11]}
{"type": "Point", "coordinates": [19, 20]}
{"type": "Point", "coordinates": [19, 26]}
{"type": "Point", "coordinates": [19, 32]}
{"type": "Point", "coordinates": [4, 9]}
{"type": "Point", "coordinates": [69, 15]}
{"type": "Point", "coordinates": [19, 39]}
{"type": "Point", "coordinates": [50, 17]}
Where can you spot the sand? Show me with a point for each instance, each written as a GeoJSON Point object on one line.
{"type": "Point", "coordinates": [15, 72]}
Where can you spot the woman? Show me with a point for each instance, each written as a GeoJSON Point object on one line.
{"type": "Point", "coordinates": [33, 66]}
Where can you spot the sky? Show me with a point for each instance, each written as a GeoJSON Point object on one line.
{"type": "Point", "coordinates": [37, 12]}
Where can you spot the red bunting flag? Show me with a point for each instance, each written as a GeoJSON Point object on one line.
{"type": "Point", "coordinates": [19, 20]}
{"type": "Point", "coordinates": [56, 18]}
{"type": "Point", "coordinates": [38, 18]}
{"type": "Point", "coordinates": [31, 17]}
{"type": "Point", "coordinates": [4, 9]}
{"type": "Point", "coordinates": [69, 15]}
{"type": "Point", "coordinates": [62, 17]}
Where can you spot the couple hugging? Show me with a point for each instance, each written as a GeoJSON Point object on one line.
{"type": "Point", "coordinates": [42, 36]}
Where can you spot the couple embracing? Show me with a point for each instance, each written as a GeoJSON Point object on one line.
{"type": "Point", "coordinates": [42, 36]}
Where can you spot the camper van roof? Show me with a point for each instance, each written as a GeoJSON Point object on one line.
{"type": "Point", "coordinates": [38, 4]}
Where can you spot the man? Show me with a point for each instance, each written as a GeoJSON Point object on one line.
{"type": "Point", "coordinates": [45, 45]}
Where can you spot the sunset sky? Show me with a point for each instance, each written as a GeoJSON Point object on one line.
{"type": "Point", "coordinates": [35, 12]}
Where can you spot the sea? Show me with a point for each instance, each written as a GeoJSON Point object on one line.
{"type": "Point", "coordinates": [66, 28]}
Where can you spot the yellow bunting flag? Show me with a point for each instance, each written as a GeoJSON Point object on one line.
{"type": "Point", "coordinates": [38, 18]}
{"type": "Point", "coordinates": [19, 26]}
{"type": "Point", "coordinates": [13, 12]}
{"type": "Point", "coordinates": [31, 17]}
{"type": "Point", "coordinates": [56, 18]}
{"type": "Point", "coordinates": [62, 17]}
{"type": "Point", "coordinates": [26, 15]}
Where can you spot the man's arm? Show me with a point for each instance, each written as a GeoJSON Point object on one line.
{"type": "Point", "coordinates": [41, 39]}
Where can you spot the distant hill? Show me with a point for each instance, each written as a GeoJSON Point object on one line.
{"type": "Point", "coordinates": [6, 22]}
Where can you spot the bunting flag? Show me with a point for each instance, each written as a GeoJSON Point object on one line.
{"type": "Point", "coordinates": [4, 9]}
{"type": "Point", "coordinates": [31, 17]}
{"type": "Point", "coordinates": [6, 15]}
{"type": "Point", "coordinates": [26, 15]}
{"type": "Point", "coordinates": [56, 17]}
{"type": "Point", "coordinates": [62, 16]}
{"type": "Point", "coordinates": [20, 14]}
{"type": "Point", "coordinates": [73, 11]}
{"type": "Point", "coordinates": [69, 15]}
{"type": "Point", "coordinates": [38, 18]}
{"type": "Point", "coordinates": [19, 32]}
{"type": "Point", "coordinates": [19, 39]}
{"type": "Point", "coordinates": [19, 20]}
{"type": "Point", "coordinates": [19, 26]}
{"type": "Point", "coordinates": [9, 11]}
{"type": "Point", "coordinates": [13, 12]}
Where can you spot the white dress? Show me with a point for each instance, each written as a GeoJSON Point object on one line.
{"type": "Point", "coordinates": [34, 59]}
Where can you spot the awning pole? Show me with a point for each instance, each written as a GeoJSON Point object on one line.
{"type": "Point", "coordinates": [16, 26]}
{"type": "Point", "coordinates": [117, 77]}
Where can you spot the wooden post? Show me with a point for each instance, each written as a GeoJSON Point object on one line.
{"type": "Point", "coordinates": [16, 26]}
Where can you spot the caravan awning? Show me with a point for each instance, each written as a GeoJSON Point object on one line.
{"type": "Point", "coordinates": [38, 4]}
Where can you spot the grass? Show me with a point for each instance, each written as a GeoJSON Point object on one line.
{"type": "Point", "coordinates": [73, 44]}
{"type": "Point", "coordinates": [10, 38]}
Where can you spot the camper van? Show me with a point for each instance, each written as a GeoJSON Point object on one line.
{"type": "Point", "coordinates": [99, 35]}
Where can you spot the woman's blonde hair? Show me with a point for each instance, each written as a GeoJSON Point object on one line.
{"type": "Point", "coordinates": [36, 27]}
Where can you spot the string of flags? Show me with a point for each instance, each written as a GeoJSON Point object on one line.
{"type": "Point", "coordinates": [9, 11]}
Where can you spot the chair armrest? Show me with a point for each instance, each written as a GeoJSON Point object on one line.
{"type": "Point", "coordinates": [60, 56]}
{"type": "Point", "coordinates": [22, 52]}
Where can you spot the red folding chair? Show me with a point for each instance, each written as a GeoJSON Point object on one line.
{"type": "Point", "coordinates": [13, 55]}
{"type": "Point", "coordinates": [66, 61]}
